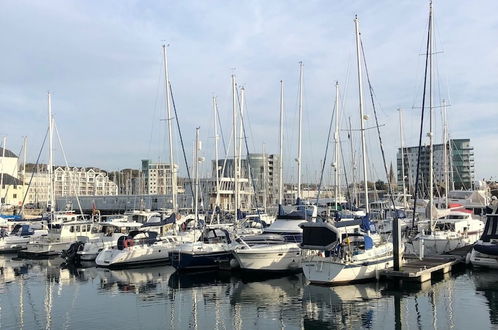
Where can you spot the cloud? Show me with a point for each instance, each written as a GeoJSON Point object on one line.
{"type": "Point", "coordinates": [103, 62]}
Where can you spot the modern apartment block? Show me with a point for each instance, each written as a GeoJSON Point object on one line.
{"type": "Point", "coordinates": [263, 178]}
{"type": "Point", "coordinates": [460, 165]}
{"type": "Point", "coordinates": [157, 178]}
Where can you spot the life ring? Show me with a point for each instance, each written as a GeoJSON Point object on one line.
{"type": "Point", "coordinates": [128, 242]}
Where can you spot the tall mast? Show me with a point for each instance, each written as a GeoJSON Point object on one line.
{"type": "Point", "coordinates": [431, 119]}
{"type": "Point", "coordinates": [196, 172]}
{"type": "Point", "coordinates": [281, 145]}
{"type": "Point", "coordinates": [241, 136]}
{"type": "Point", "coordinates": [235, 152]}
{"type": "Point", "coordinates": [2, 168]}
{"type": "Point", "coordinates": [215, 112]}
{"type": "Point", "coordinates": [170, 131]}
{"type": "Point", "coordinates": [445, 154]}
{"type": "Point", "coordinates": [402, 155]}
{"type": "Point", "coordinates": [50, 156]}
{"type": "Point", "coordinates": [336, 139]}
{"type": "Point", "coordinates": [362, 116]}
{"type": "Point", "coordinates": [353, 162]}
{"type": "Point", "coordinates": [265, 161]}
{"type": "Point", "coordinates": [300, 130]}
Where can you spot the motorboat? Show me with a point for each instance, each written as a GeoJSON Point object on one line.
{"type": "Point", "coordinates": [137, 248]}
{"type": "Point", "coordinates": [277, 249]}
{"type": "Point", "coordinates": [59, 238]}
{"type": "Point", "coordinates": [484, 253]}
{"type": "Point", "coordinates": [20, 236]}
{"type": "Point", "coordinates": [285, 256]}
{"type": "Point", "coordinates": [343, 252]}
{"type": "Point", "coordinates": [213, 249]}
{"type": "Point", "coordinates": [87, 249]}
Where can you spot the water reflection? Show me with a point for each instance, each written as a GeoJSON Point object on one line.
{"type": "Point", "coordinates": [486, 282]}
{"type": "Point", "coordinates": [49, 294]}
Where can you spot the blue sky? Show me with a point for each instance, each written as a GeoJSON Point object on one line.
{"type": "Point", "coordinates": [102, 62]}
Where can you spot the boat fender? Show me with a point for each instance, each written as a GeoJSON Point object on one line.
{"type": "Point", "coordinates": [467, 258]}
{"type": "Point", "coordinates": [293, 265]}
{"type": "Point", "coordinates": [234, 263]}
{"type": "Point", "coordinates": [128, 243]}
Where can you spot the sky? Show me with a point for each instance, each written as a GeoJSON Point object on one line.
{"type": "Point", "coordinates": [102, 62]}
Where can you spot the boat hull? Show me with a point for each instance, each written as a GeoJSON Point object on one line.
{"type": "Point", "coordinates": [321, 270]}
{"type": "Point", "coordinates": [479, 259]}
{"type": "Point", "coordinates": [269, 258]}
{"type": "Point", "coordinates": [132, 256]}
{"type": "Point", "coordinates": [190, 260]}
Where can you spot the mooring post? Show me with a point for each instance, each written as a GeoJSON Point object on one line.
{"type": "Point", "coordinates": [398, 255]}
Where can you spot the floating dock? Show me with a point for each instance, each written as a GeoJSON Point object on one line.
{"type": "Point", "coordinates": [419, 270]}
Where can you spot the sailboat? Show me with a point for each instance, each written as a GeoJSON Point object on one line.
{"type": "Point", "coordinates": [444, 229]}
{"type": "Point", "coordinates": [346, 251]}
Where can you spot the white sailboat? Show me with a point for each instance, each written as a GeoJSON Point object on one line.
{"type": "Point", "coordinates": [345, 252]}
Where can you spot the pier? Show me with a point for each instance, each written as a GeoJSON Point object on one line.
{"type": "Point", "coordinates": [414, 269]}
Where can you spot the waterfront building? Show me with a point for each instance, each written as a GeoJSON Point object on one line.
{"type": "Point", "coordinates": [68, 181]}
{"type": "Point", "coordinates": [12, 188]}
{"type": "Point", "coordinates": [157, 178]}
{"type": "Point", "coordinates": [259, 175]}
{"type": "Point", "coordinates": [460, 165]}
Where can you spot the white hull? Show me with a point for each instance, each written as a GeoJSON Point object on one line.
{"type": "Point", "coordinates": [278, 257]}
{"type": "Point", "coordinates": [46, 248]}
{"type": "Point", "coordinates": [322, 270]}
{"type": "Point", "coordinates": [134, 255]}
{"type": "Point", "coordinates": [483, 260]}
{"type": "Point", "coordinates": [434, 245]}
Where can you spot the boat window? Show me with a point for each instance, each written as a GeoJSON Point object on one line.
{"type": "Point", "coordinates": [88, 227]}
{"type": "Point", "coordinates": [83, 228]}
{"type": "Point", "coordinates": [71, 229]}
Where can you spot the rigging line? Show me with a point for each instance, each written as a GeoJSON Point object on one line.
{"type": "Point", "coordinates": [417, 173]}
{"type": "Point", "coordinates": [149, 151]}
{"type": "Point", "coordinates": [325, 156]}
{"type": "Point", "coordinates": [33, 173]}
{"type": "Point", "coordinates": [370, 88]}
{"type": "Point", "coordinates": [67, 165]}
{"type": "Point", "coordinates": [181, 139]}
{"type": "Point", "coordinates": [221, 129]}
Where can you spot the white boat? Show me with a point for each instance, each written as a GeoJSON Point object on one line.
{"type": "Point", "coordinates": [342, 253]}
{"type": "Point", "coordinates": [485, 251]}
{"type": "Point", "coordinates": [88, 249]}
{"type": "Point", "coordinates": [138, 248]}
{"type": "Point", "coordinates": [456, 230]}
{"type": "Point", "coordinates": [269, 257]}
{"type": "Point", "coordinates": [20, 236]}
{"type": "Point", "coordinates": [58, 239]}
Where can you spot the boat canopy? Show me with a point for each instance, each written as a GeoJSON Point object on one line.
{"type": "Point", "coordinates": [491, 228]}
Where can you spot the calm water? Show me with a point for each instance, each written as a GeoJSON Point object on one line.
{"type": "Point", "coordinates": [39, 294]}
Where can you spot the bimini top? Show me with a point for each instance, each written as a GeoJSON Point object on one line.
{"type": "Point", "coordinates": [324, 236]}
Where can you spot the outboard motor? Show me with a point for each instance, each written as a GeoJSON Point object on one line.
{"type": "Point", "coordinates": [71, 254]}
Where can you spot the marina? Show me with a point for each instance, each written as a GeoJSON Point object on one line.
{"type": "Point", "coordinates": [367, 216]}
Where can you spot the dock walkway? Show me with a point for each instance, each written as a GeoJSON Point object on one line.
{"type": "Point", "coordinates": [421, 270]}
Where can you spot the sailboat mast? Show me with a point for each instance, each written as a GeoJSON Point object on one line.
{"type": "Point", "coordinates": [336, 138]}
{"type": "Point", "coordinates": [300, 130]}
{"type": "Point", "coordinates": [445, 154]}
{"type": "Point", "coordinates": [281, 145]}
{"type": "Point", "coordinates": [431, 117]}
{"type": "Point", "coordinates": [362, 116]}
{"type": "Point", "coordinates": [402, 155]}
{"type": "Point", "coordinates": [353, 163]}
{"type": "Point", "coordinates": [196, 173]}
{"type": "Point", "coordinates": [50, 155]}
{"type": "Point", "coordinates": [235, 152]}
{"type": "Point", "coordinates": [170, 131]}
{"type": "Point", "coordinates": [2, 168]}
{"type": "Point", "coordinates": [215, 113]}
